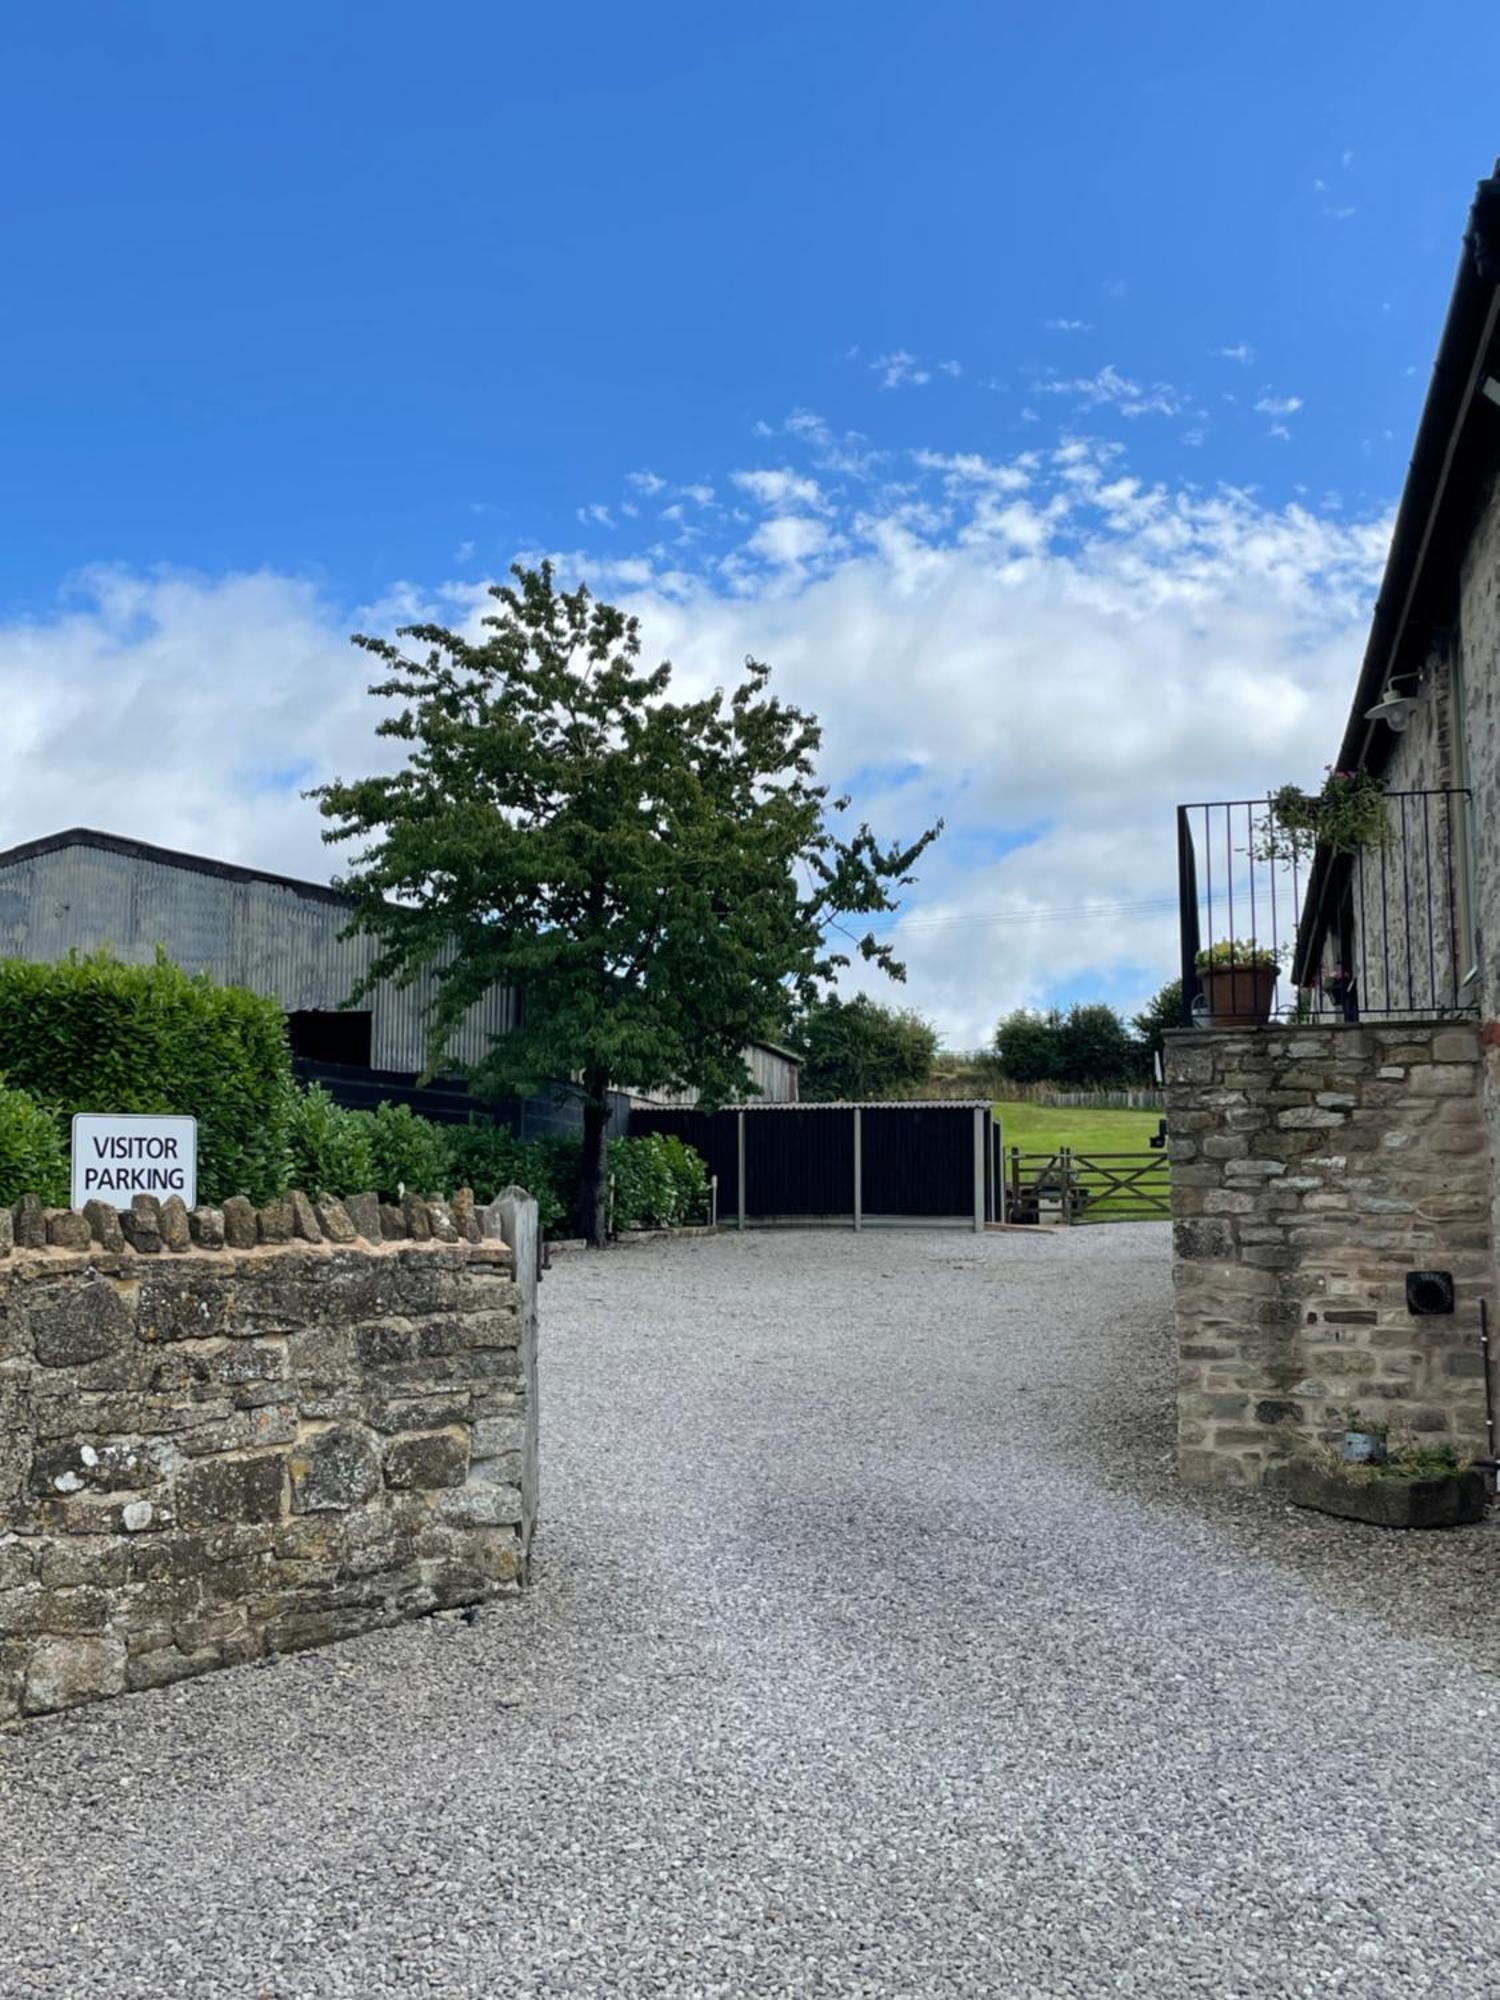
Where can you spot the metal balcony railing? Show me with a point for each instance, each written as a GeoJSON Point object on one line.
{"type": "Point", "coordinates": [1381, 931]}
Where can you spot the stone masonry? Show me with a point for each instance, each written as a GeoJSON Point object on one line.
{"type": "Point", "coordinates": [1312, 1168]}
{"type": "Point", "coordinates": [210, 1453]}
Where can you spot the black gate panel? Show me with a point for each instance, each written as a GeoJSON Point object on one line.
{"type": "Point", "coordinates": [918, 1160]}
{"type": "Point", "coordinates": [799, 1162]}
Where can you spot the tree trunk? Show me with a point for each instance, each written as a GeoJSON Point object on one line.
{"type": "Point", "coordinates": [593, 1174]}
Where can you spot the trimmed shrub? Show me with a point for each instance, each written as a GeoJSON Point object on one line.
{"type": "Point", "coordinates": [91, 1034]}
{"type": "Point", "coordinates": [331, 1150]}
{"type": "Point", "coordinates": [406, 1151]}
{"type": "Point", "coordinates": [33, 1158]}
{"type": "Point", "coordinates": [659, 1182]}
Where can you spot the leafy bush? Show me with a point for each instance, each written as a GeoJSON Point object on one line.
{"type": "Point", "coordinates": [331, 1150]}
{"type": "Point", "coordinates": [91, 1034]}
{"type": "Point", "coordinates": [659, 1182]}
{"type": "Point", "coordinates": [406, 1152]}
{"type": "Point", "coordinates": [488, 1158]}
{"type": "Point", "coordinates": [33, 1159]}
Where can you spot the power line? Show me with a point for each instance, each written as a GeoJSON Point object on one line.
{"type": "Point", "coordinates": [1075, 912]}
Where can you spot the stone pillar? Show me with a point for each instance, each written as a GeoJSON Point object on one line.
{"type": "Point", "coordinates": [1312, 1168]}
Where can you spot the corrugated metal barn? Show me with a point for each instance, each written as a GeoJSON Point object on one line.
{"type": "Point", "coordinates": [86, 891]}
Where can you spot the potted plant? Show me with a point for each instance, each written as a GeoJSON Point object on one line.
{"type": "Point", "coordinates": [1365, 1439]}
{"type": "Point", "coordinates": [1239, 982]}
{"type": "Point", "coordinates": [1348, 814]}
{"type": "Point", "coordinates": [1338, 987]}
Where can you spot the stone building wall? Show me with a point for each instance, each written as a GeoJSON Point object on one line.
{"type": "Point", "coordinates": [215, 1453]}
{"type": "Point", "coordinates": [1312, 1168]}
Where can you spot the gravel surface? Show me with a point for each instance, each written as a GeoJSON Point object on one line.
{"type": "Point", "coordinates": [869, 1654]}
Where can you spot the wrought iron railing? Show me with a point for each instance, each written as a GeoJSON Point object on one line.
{"type": "Point", "coordinates": [1382, 930]}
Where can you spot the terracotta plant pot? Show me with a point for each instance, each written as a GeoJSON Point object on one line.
{"type": "Point", "coordinates": [1239, 996]}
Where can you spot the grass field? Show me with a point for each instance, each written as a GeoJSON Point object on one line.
{"type": "Point", "coordinates": [1037, 1128]}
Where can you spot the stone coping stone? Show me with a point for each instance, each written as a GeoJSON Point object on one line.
{"type": "Point", "coordinates": [53, 1258]}
{"type": "Point", "coordinates": [1450, 1500]}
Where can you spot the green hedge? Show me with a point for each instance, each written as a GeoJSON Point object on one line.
{"type": "Point", "coordinates": [91, 1034]}
{"type": "Point", "coordinates": [33, 1158]}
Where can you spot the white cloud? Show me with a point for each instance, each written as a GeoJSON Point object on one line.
{"type": "Point", "coordinates": [953, 368]}
{"type": "Point", "coordinates": [1049, 651]}
{"type": "Point", "coordinates": [789, 539]}
{"type": "Point", "coordinates": [1110, 387]}
{"type": "Point", "coordinates": [646, 482]}
{"type": "Point", "coordinates": [1242, 352]}
{"type": "Point", "coordinates": [596, 515]}
{"type": "Point", "coordinates": [1066, 325]}
{"type": "Point", "coordinates": [1278, 406]}
{"type": "Point", "coordinates": [900, 368]}
{"type": "Point", "coordinates": [779, 488]}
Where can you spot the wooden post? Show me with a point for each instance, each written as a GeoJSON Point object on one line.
{"type": "Point", "coordinates": [741, 1174]}
{"type": "Point", "coordinates": [859, 1168]}
{"type": "Point", "coordinates": [516, 1213]}
{"type": "Point", "coordinates": [979, 1170]}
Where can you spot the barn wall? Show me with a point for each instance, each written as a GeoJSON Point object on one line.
{"type": "Point", "coordinates": [268, 936]}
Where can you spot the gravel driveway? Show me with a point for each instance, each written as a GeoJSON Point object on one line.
{"type": "Point", "coordinates": [869, 1654]}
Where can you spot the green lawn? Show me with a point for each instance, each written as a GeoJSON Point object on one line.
{"type": "Point", "coordinates": [1037, 1128]}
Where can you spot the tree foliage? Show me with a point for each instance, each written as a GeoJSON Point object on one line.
{"type": "Point", "coordinates": [654, 876]}
{"type": "Point", "coordinates": [860, 1049]}
{"type": "Point", "coordinates": [1162, 1011]}
{"type": "Point", "coordinates": [1089, 1046]}
{"type": "Point", "coordinates": [1026, 1045]}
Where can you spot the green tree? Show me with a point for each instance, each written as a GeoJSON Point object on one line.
{"type": "Point", "coordinates": [1027, 1046]}
{"type": "Point", "coordinates": [860, 1049]}
{"type": "Point", "coordinates": [1160, 1013]}
{"type": "Point", "coordinates": [1095, 1048]}
{"type": "Point", "coordinates": [655, 877]}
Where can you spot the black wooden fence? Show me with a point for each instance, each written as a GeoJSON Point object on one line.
{"type": "Point", "coordinates": [860, 1165]}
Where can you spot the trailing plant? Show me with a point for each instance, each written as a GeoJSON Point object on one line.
{"type": "Point", "coordinates": [1348, 814]}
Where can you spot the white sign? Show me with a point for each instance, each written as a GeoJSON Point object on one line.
{"type": "Point", "coordinates": [117, 1155]}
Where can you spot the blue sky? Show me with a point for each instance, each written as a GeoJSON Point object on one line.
{"type": "Point", "coordinates": [780, 322]}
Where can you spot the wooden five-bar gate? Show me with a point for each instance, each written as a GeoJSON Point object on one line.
{"type": "Point", "coordinates": [1064, 1186]}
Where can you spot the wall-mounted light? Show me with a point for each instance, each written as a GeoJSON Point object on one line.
{"type": "Point", "coordinates": [1394, 709]}
{"type": "Point", "coordinates": [1490, 387]}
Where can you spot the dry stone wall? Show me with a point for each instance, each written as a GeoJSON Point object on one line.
{"type": "Point", "coordinates": [1312, 1169]}
{"type": "Point", "coordinates": [213, 1448]}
